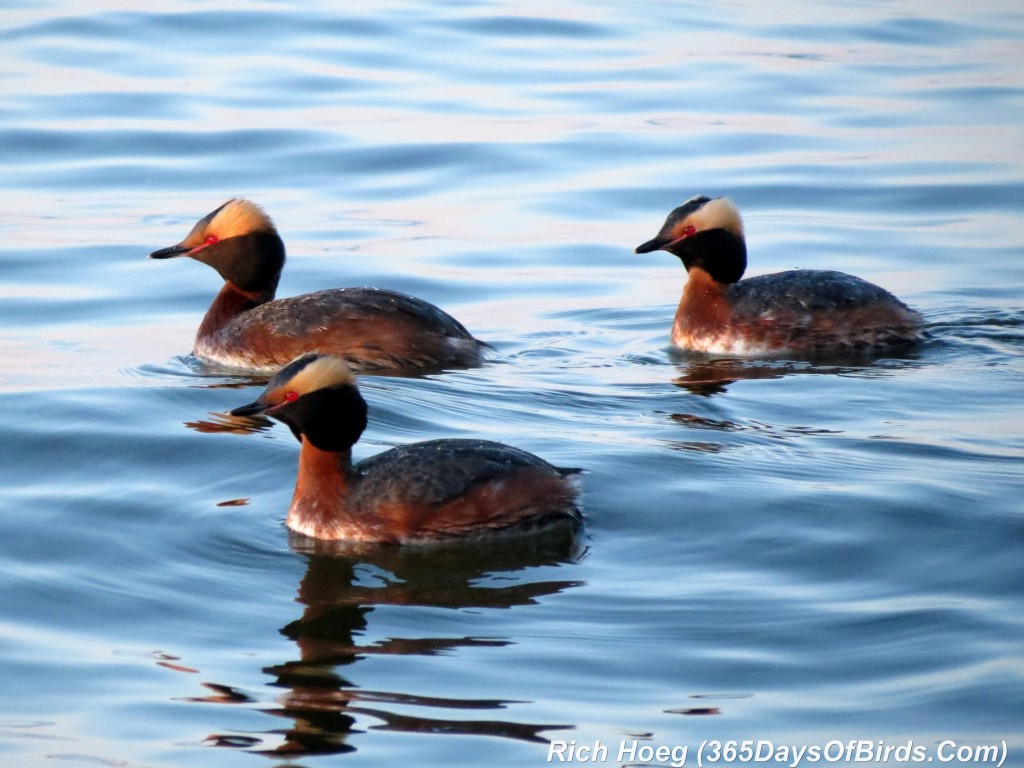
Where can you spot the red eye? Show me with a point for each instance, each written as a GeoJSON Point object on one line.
{"type": "Point", "coordinates": [291, 396]}
{"type": "Point", "coordinates": [210, 240]}
{"type": "Point", "coordinates": [688, 230]}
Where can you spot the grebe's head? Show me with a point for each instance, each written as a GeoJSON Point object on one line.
{"type": "Point", "coordinates": [317, 397]}
{"type": "Point", "coordinates": [705, 232]}
{"type": "Point", "coordinates": [237, 239]}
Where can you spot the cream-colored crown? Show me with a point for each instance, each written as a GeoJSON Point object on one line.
{"type": "Point", "coordinates": [239, 217]}
{"type": "Point", "coordinates": [325, 371]}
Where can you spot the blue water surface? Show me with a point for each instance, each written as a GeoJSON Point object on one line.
{"type": "Point", "coordinates": [798, 553]}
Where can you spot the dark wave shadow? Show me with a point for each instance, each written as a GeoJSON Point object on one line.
{"type": "Point", "coordinates": [321, 704]}
{"type": "Point", "coordinates": [707, 375]}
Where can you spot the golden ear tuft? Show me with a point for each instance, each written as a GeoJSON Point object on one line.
{"type": "Point", "coordinates": [323, 372]}
{"type": "Point", "coordinates": [239, 217]}
{"type": "Point", "coordinates": [718, 213]}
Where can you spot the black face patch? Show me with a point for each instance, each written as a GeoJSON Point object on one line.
{"type": "Point", "coordinates": [722, 254]}
{"type": "Point", "coordinates": [332, 418]}
{"type": "Point", "coordinates": [253, 262]}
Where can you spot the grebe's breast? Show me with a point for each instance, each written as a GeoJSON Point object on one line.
{"type": "Point", "coordinates": [818, 309]}
{"type": "Point", "coordinates": [371, 329]}
{"type": "Point", "coordinates": [459, 488]}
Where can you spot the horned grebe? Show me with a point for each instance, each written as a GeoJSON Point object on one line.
{"type": "Point", "coordinates": [434, 491]}
{"type": "Point", "coordinates": [797, 310]}
{"type": "Point", "coordinates": [375, 331]}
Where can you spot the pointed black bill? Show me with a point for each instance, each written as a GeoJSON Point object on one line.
{"type": "Point", "coordinates": [174, 250]}
{"type": "Point", "coordinates": [651, 245]}
{"type": "Point", "coordinates": [254, 408]}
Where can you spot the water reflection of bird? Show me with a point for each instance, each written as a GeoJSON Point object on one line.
{"type": "Point", "coordinates": [710, 376]}
{"type": "Point", "coordinates": [432, 491]}
{"type": "Point", "coordinates": [245, 328]}
{"type": "Point", "coordinates": [797, 310]}
{"type": "Point", "coordinates": [339, 594]}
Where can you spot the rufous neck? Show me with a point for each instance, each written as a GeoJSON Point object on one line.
{"type": "Point", "coordinates": [703, 308]}
{"type": "Point", "coordinates": [229, 303]}
{"type": "Point", "coordinates": [318, 504]}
